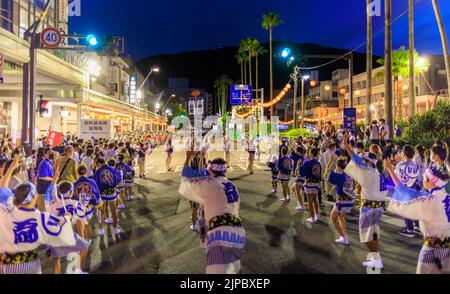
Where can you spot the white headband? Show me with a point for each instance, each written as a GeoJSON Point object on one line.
{"type": "Point", "coordinates": [30, 194]}
{"type": "Point", "coordinates": [218, 167]}
{"type": "Point", "coordinates": [434, 179]}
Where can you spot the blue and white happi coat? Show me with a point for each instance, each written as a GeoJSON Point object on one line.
{"type": "Point", "coordinates": [219, 197]}
{"type": "Point", "coordinates": [432, 209]}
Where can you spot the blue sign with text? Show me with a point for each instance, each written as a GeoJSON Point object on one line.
{"type": "Point", "coordinates": [241, 94]}
{"type": "Point", "coordinates": [350, 119]}
{"type": "Point", "coordinates": [283, 127]}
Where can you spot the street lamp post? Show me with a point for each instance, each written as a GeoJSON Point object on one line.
{"type": "Point", "coordinates": [304, 78]}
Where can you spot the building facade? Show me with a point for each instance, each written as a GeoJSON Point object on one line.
{"type": "Point", "coordinates": [76, 84]}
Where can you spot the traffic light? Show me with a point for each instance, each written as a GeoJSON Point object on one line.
{"type": "Point", "coordinates": [92, 41]}
{"type": "Point", "coordinates": [42, 105]}
{"type": "Point", "coordinates": [105, 45]}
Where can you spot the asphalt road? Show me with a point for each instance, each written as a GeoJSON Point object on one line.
{"type": "Point", "coordinates": [156, 238]}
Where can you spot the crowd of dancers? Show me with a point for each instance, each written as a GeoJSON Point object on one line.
{"type": "Point", "coordinates": [49, 200]}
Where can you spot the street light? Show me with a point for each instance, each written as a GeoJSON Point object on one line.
{"type": "Point", "coordinates": [154, 69]}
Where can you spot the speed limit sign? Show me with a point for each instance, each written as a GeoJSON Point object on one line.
{"type": "Point", "coordinates": [51, 38]}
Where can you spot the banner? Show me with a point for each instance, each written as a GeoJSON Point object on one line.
{"type": "Point", "coordinates": [54, 138]}
{"type": "Point", "coordinates": [96, 129]}
{"type": "Point", "coordinates": [63, 11]}
{"type": "Point", "coordinates": [350, 119]}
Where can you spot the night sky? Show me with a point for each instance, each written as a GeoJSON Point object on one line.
{"type": "Point", "coordinates": [154, 27]}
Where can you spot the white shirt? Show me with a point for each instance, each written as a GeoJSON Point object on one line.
{"type": "Point", "coordinates": [374, 132]}
{"type": "Point", "coordinates": [370, 180]}
{"type": "Point", "coordinates": [384, 128]}
{"type": "Point", "coordinates": [76, 156]}
{"type": "Point", "coordinates": [408, 172]}
{"type": "Point", "coordinates": [88, 162]}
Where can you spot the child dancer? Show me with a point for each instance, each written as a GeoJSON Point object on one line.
{"type": "Point", "coordinates": [284, 165]}
{"type": "Point", "coordinates": [312, 172]}
{"type": "Point", "coordinates": [344, 194]}
{"type": "Point", "coordinates": [272, 164]}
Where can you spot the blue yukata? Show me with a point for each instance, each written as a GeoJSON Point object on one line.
{"type": "Point", "coordinates": [344, 191]}
{"type": "Point", "coordinates": [295, 157]}
{"type": "Point", "coordinates": [299, 179]}
{"type": "Point", "coordinates": [86, 190]}
{"type": "Point", "coordinates": [284, 165]}
{"type": "Point", "coordinates": [107, 179]}
{"type": "Point", "coordinates": [311, 170]}
{"type": "Point", "coordinates": [273, 170]}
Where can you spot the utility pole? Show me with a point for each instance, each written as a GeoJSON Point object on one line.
{"type": "Point", "coordinates": [29, 86]}
{"type": "Point", "coordinates": [295, 76]}
{"type": "Point", "coordinates": [303, 103]}
{"type": "Point", "coordinates": [350, 77]}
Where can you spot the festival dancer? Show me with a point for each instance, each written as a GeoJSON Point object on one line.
{"type": "Point", "coordinates": [220, 199]}
{"type": "Point", "coordinates": [86, 191]}
{"type": "Point", "coordinates": [272, 164]}
{"type": "Point", "coordinates": [408, 172]}
{"type": "Point", "coordinates": [344, 194]}
{"type": "Point", "coordinates": [63, 203]}
{"type": "Point", "coordinates": [297, 188]}
{"type": "Point", "coordinates": [363, 171]}
{"type": "Point", "coordinates": [107, 180]}
{"type": "Point", "coordinates": [312, 172]}
{"type": "Point", "coordinates": [25, 229]}
{"type": "Point", "coordinates": [432, 209]}
{"type": "Point", "coordinates": [284, 165]}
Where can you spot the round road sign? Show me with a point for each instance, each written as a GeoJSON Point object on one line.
{"type": "Point", "coordinates": [51, 38]}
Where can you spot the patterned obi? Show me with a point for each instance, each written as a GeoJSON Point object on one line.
{"type": "Point", "coordinates": [109, 191]}
{"type": "Point", "coordinates": [373, 204]}
{"type": "Point", "coordinates": [437, 242]}
{"type": "Point", "coordinates": [343, 197]}
{"type": "Point", "coordinates": [224, 220]}
{"type": "Point", "coordinates": [18, 258]}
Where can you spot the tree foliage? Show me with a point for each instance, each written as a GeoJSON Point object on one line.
{"type": "Point", "coordinates": [426, 128]}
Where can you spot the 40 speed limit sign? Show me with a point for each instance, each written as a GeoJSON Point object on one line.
{"type": "Point", "coordinates": [51, 38]}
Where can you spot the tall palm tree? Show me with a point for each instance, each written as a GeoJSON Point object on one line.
{"type": "Point", "coordinates": [369, 64]}
{"type": "Point", "coordinates": [222, 84]}
{"type": "Point", "coordinates": [437, 12]}
{"type": "Point", "coordinates": [240, 57]}
{"type": "Point", "coordinates": [250, 45]}
{"type": "Point", "coordinates": [412, 76]}
{"type": "Point", "coordinates": [271, 20]}
{"type": "Point", "coordinates": [388, 102]}
{"type": "Point", "coordinates": [260, 50]}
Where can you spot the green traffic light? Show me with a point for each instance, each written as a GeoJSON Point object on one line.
{"type": "Point", "coordinates": [92, 40]}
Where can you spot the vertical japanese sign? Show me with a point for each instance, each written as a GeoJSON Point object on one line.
{"type": "Point", "coordinates": [54, 138]}
{"type": "Point", "coordinates": [63, 20]}
{"type": "Point", "coordinates": [350, 119]}
{"type": "Point", "coordinates": [2, 61]}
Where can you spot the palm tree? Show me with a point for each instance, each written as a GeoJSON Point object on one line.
{"type": "Point", "coordinates": [369, 64]}
{"type": "Point", "coordinates": [271, 20]}
{"type": "Point", "coordinates": [412, 86]}
{"type": "Point", "coordinates": [240, 57]}
{"type": "Point", "coordinates": [401, 65]}
{"type": "Point", "coordinates": [443, 39]}
{"type": "Point", "coordinates": [388, 103]}
{"type": "Point", "coordinates": [260, 50]}
{"type": "Point", "coordinates": [250, 45]}
{"type": "Point", "coordinates": [222, 84]}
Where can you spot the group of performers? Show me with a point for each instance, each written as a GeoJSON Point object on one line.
{"type": "Point", "coordinates": [55, 212]}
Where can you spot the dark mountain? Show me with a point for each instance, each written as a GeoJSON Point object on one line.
{"type": "Point", "coordinates": [203, 67]}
